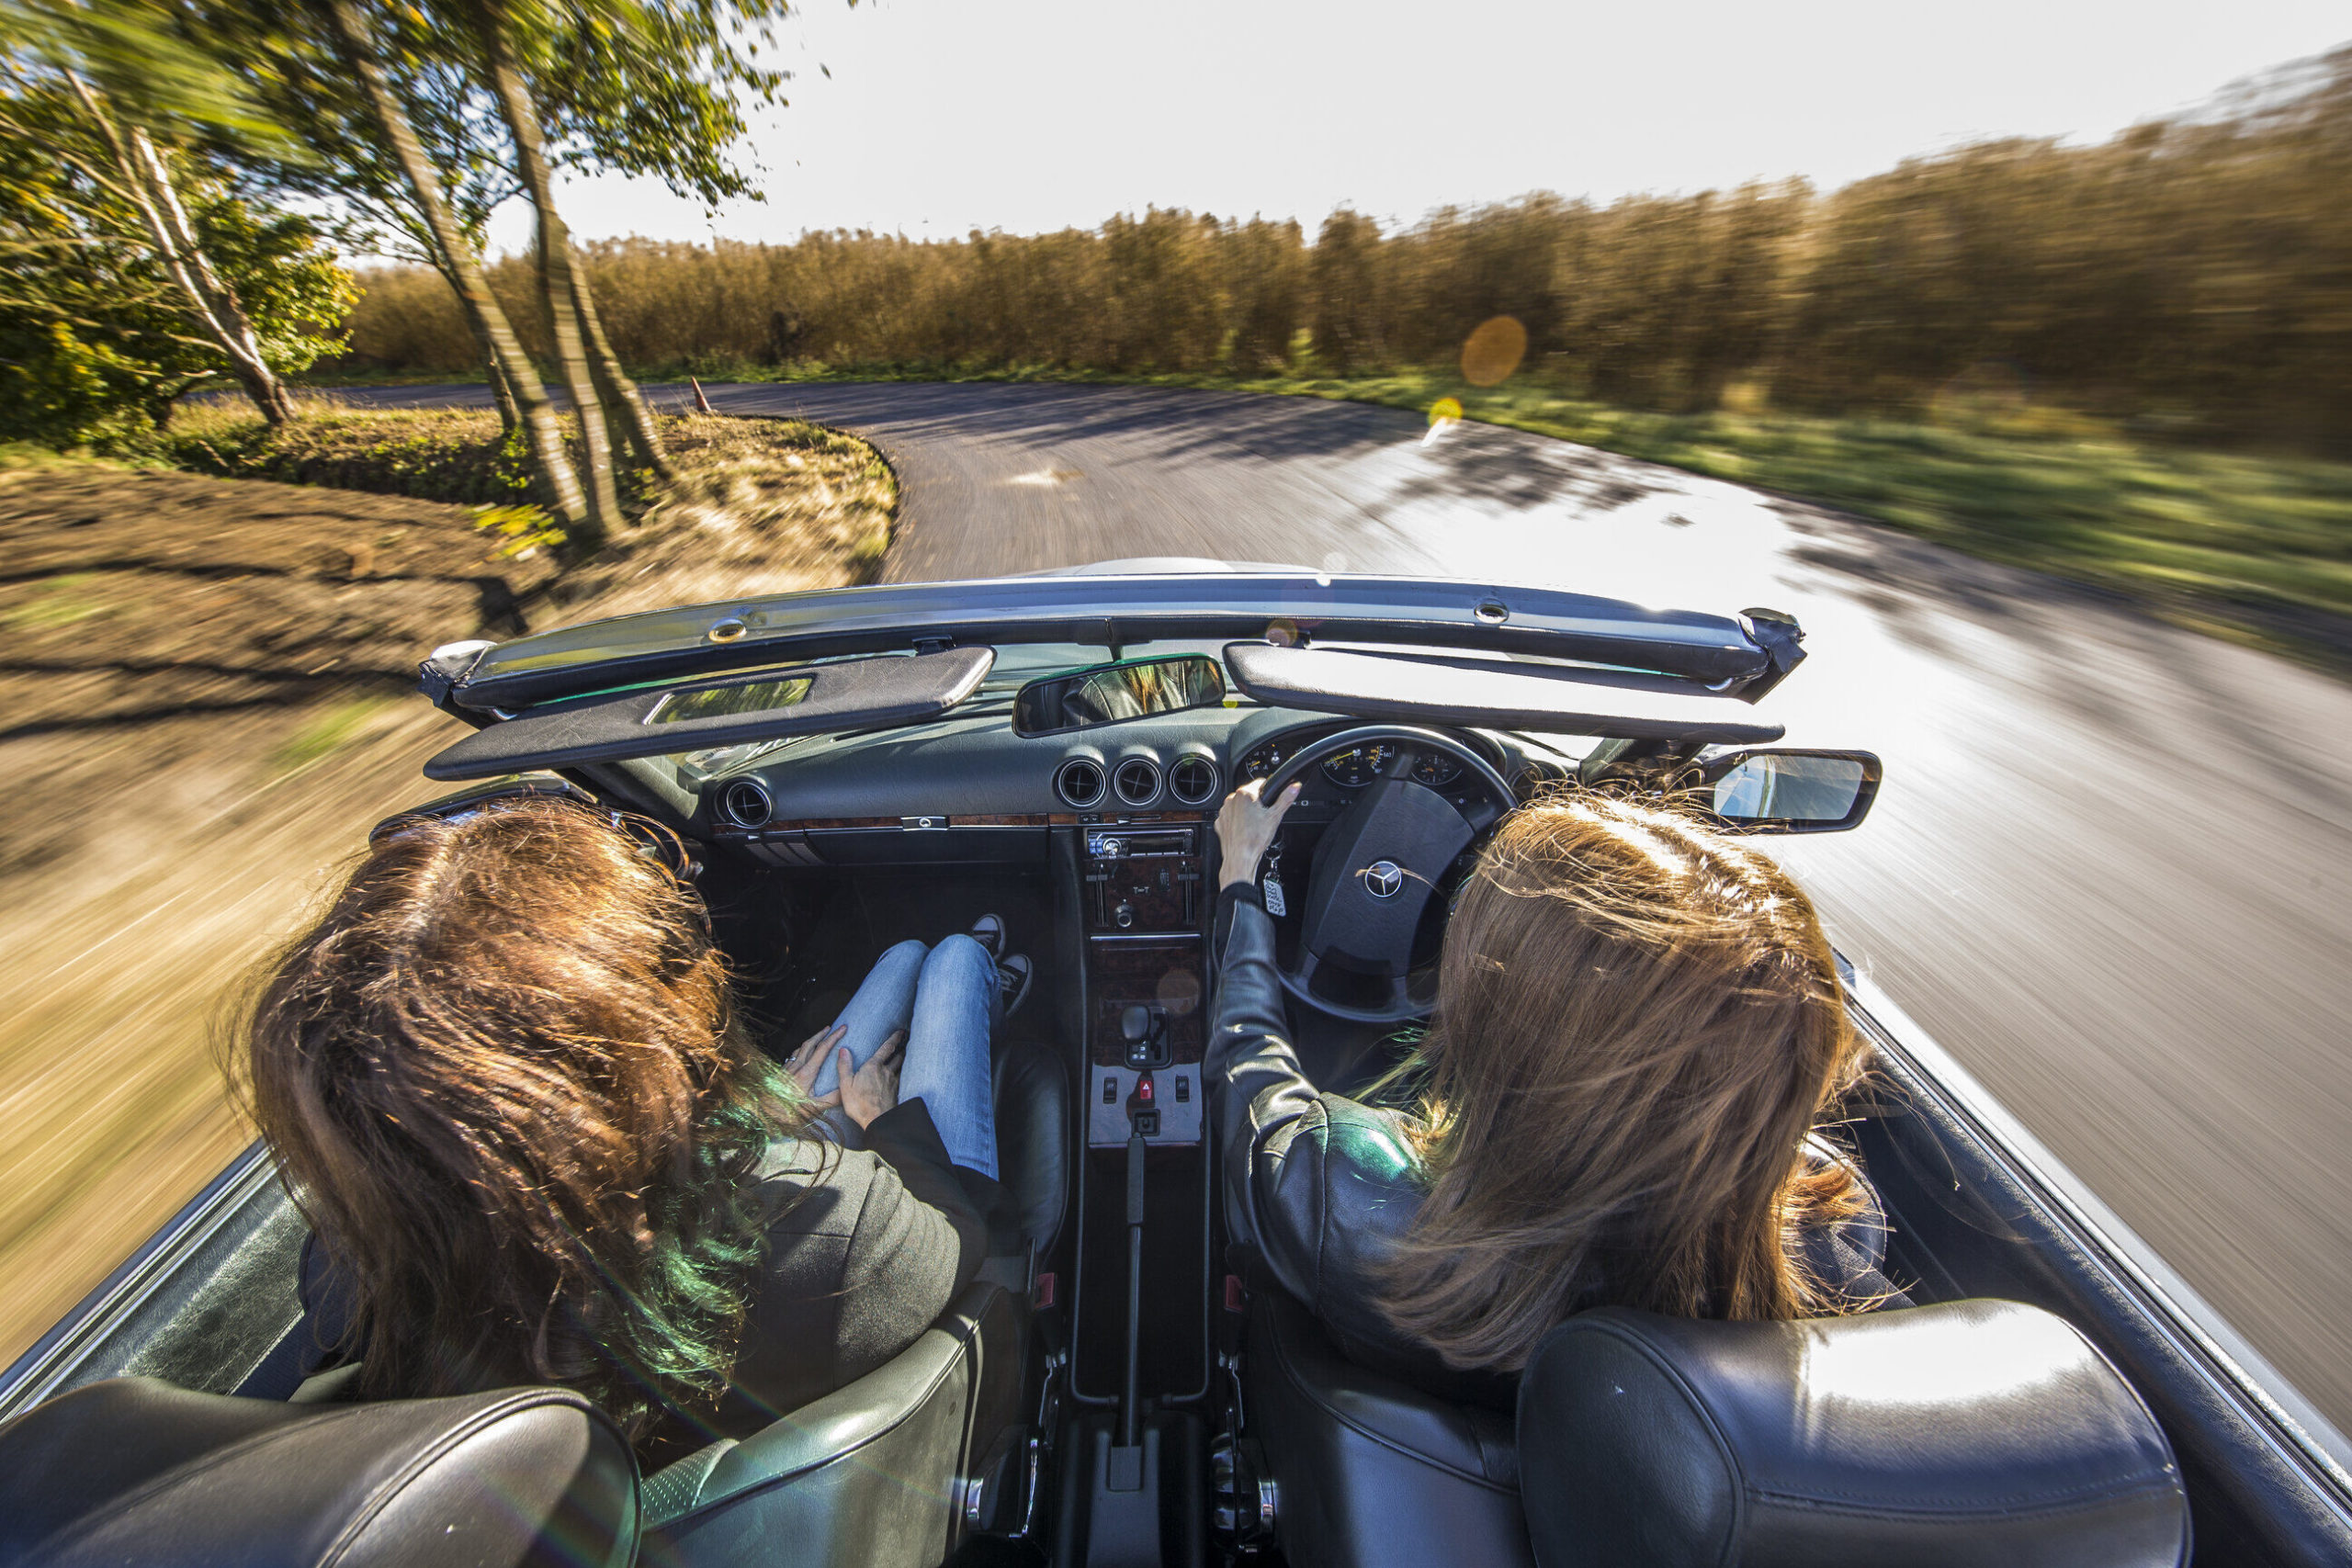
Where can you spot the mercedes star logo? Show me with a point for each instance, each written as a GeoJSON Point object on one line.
{"type": "Point", "coordinates": [1381, 879]}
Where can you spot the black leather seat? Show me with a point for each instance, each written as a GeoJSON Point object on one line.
{"type": "Point", "coordinates": [1368, 1469]}
{"type": "Point", "coordinates": [874, 1474]}
{"type": "Point", "coordinates": [1976, 1434]}
{"type": "Point", "coordinates": [133, 1471]}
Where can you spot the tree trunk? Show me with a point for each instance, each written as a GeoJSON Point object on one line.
{"type": "Point", "coordinates": [212, 303]}
{"type": "Point", "coordinates": [502, 390]}
{"type": "Point", "coordinates": [631, 416]}
{"type": "Point", "coordinates": [558, 287]}
{"type": "Point", "coordinates": [506, 355]}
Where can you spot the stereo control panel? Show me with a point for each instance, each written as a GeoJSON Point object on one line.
{"type": "Point", "coordinates": [1143, 879]}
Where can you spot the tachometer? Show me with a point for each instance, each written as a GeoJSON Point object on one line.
{"type": "Point", "coordinates": [1436, 769]}
{"type": "Point", "coordinates": [1354, 769]}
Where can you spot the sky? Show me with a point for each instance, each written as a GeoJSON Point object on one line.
{"type": "Point", "coordinates": [943, 116]}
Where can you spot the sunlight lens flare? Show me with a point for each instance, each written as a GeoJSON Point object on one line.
{"type": "Point", "coordinates": [1494, 351]}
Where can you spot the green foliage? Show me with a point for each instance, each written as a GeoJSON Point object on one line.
{"type": "Point", "coordinates": [631, 87]}
{"type": "Point", "coordinates": [650, 89]}
{"type": "Point", "coordinates": [136, 54]}
{"type": "Point", "coordinates": [297, 69]}
{"type": "Point", "coordinates": [95, 341]}
{"type": "Point", "coordinates": [523, 531]}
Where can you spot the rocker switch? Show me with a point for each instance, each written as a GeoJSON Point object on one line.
{"type": "Point", "coordinates": [1110, 1088]}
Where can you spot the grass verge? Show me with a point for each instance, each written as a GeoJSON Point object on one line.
{"type": "Point", "coordinates": [759, 495]}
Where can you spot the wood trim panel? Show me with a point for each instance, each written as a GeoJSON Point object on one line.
{"type": "Point", "coordinates": [869, 824]}
{"type": "Point", "coordinates": [1000, 819]}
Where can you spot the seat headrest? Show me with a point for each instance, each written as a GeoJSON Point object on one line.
{"type": "Point", "coordinates": [1975, 1432]}
{"type": "Point", "coordinates": [137, 1470]}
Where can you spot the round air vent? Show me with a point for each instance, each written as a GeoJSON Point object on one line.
{"type": "Point", "coordinates": [746, 804]}
{"type": "Point", "coordinates": [1193, 780]}
{"type": "Point", "coordinates": [1136, 780]}
{"type": "Point", "coordinates": [1080, 783]}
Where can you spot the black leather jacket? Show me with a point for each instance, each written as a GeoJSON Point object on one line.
{"type": "Point", "coordinates": [1318, 1189]}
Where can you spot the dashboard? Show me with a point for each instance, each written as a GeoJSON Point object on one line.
{"type": "Point", "coordinates": [972, 778]}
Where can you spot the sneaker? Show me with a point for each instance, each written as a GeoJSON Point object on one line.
{"type": "Point", "coordinates": [1013, 982]}
{"type": "Point", "coordinates": [988, 932]}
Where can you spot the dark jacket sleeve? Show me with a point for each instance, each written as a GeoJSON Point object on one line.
{"type": "Point", "coordinates": [1260, 1104]}
{"type": "Point", "coordinates": [1316, 1186]}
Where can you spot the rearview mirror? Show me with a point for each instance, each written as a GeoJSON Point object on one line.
{"type": "Point", "coordinates": [1789, 792]}
{"type": "Point", "coordinates": [1109, 693]}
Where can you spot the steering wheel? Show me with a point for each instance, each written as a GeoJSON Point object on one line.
{"type": "Point", "coordinates": [1378, 862]}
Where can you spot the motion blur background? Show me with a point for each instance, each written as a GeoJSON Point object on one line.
{"type": "Point", "coordinates": [2066, 285]}
{"type": "Point", "coordinates": [2185, 276]}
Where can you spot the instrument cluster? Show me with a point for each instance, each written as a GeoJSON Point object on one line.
{"type": "Point", "coordinates": [1356, 767]}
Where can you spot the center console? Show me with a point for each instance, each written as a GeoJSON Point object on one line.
{"type": "Point", "coordinates": [1140, 1353]}
{"type": "Point", "coordinates": [1143, 902]}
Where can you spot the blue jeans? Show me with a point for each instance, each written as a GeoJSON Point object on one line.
{"type": "Point", "coordinates": [945, 998]}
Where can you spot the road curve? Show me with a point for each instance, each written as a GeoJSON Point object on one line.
{"type": "Point", "coordinates": [2110, 866]}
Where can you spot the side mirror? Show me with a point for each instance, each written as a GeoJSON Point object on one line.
{"type": "Point", "coordinates": [1788, 792]}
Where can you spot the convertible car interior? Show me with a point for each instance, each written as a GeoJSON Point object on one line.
{"type": "Point", "coordinates": [1120, 1388]}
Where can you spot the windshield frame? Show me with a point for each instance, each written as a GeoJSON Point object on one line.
{"type": "Point", "coordinates": [1741, 657]}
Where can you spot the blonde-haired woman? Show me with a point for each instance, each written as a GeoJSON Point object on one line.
{"type": "Point", "coordinates": [1638, 1031]}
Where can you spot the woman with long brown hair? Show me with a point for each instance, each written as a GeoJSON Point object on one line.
{"type": "Point", "coordinates": [1638, 1028]}
{"type": "Point", "coordinates": [507, 1082]}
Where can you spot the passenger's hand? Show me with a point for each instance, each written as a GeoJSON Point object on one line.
{"type": "Point", "coordinates": [1245, 829]}
{"type": "Point", "coordinates": [869, 1090]}
{"type": "Point", "coordinates": [806, 1063]}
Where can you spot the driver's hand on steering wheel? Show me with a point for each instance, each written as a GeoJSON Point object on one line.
{"type": "Point", "coordinates": [1244, 830]}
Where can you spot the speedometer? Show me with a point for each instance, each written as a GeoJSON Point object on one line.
{"type": "Point", "coordinates": [1436, 769]}
{"type": "Point", "coordinates": [1357, 768]}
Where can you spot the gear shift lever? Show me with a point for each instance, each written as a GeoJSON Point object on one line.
{"type": "Point", "coordinates": [1145, 1029]}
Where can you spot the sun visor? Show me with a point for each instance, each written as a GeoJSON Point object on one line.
{"type": "Point", "coordinates": [656, 721]}
{"type": "Point", "coordinates": [1490, 696]}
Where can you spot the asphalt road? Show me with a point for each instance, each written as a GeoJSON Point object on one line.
{"type": "Point", "coordinates": [2110, 867]}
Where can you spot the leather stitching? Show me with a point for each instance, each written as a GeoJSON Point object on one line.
{"type": "Point", "coordinates": [2070, 1498]}
{"type": "Point", "coordinates": [2080, 1501]}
